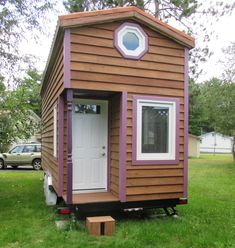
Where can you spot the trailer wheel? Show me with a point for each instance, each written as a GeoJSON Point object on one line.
{"type": "Point", "coordinates": [37, 164]}
{"type": "Point", "coordinates": [2, 166]}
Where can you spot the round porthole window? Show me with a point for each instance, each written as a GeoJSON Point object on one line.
{"type": "Point", "coordinates": [131, 40]}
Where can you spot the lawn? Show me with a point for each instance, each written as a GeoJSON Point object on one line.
{"type": "Point", "coordinates": [207, 221]}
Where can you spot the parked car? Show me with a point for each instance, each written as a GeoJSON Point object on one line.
{"type": "Point", "coordinates": [23, 154]}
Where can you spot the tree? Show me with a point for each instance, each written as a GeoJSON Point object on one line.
{"type": "Point", "coordinates": [159, 8]}
{"type": "Point", "coordinates": [2, 90]}
{"type": "Point", "coordinates": [17, 109]}
{"type": "Point", "coordinates": [198, 119]}
{"type": "Point", "coordinates": [229, 78]}
{"type": "Point", "coordinates": [219, 106]}
{"type": "Point", "coordinates": [195, 111]}
{"type": "Point", "coordinates": [229, 63]}
{"type": "Point", "coordinates": [29, 90]}
{"type": "Point", "coordinates": [18, 18]}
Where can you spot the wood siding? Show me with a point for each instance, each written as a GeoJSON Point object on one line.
{"type": "Point", "coordinates": [155, 181]}
{"type": "Point", "coordinates": [114, 144]}
{"type": "Point", "coordinates": [97, 65]}
{"type": "Point", "coordinates": [54, 87]}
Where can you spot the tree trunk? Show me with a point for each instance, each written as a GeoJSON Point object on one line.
{"type": "Point", "coordinates": [157, 5]}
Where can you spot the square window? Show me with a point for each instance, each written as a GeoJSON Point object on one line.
{"type": "Point", "coordinates": [38, 148]}
{"type": "Point", "coordinates": [17, 149]}
{"type": "Point", "coordinates": [29, 149]}
{"type": "Point", "coordinates": [155, 129]}
{"type": "Point", "coordinates": [156, 125]}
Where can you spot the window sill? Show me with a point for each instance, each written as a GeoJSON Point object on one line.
{"type": "Point", "coordinates": [154, 162]}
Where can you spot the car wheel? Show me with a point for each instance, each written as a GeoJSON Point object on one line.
{"type": "Point", "coordinates": [2, 164]}
{"type": "Point", "coordinates": [37, 164]}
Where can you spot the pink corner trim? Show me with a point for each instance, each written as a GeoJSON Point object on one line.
{"type": "Point", "coordinates": [69, 147]}
{"type": "Point", "coordinates": [109, 143]}
{"type": "Point", "coordinates": [186, 57]}
{"type": "Point", "coordinates": [122, 147]}
{"type": "Point", "coordinates": [67, 58]}
{"type": "Point", "coordinates": [60, 144]}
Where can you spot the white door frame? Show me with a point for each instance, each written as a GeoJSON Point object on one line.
{"type": "Point", "coordinates": [104, 109]}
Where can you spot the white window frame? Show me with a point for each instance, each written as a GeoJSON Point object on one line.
{"type": "Point", "coordinates": [171, 155]}
{"type": "Point", "coordinates": [55, 131]}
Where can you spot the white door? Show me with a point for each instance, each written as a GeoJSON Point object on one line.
{"type": "Point", "coordinates": [90, 140]}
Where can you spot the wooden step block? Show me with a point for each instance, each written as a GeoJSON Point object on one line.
{"type": "Point", "coordinates": [100, 225]}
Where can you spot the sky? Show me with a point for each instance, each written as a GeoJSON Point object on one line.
{"type": "Point", "coordinates": [222, 37]}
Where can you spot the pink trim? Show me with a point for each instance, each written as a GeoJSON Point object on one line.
{"type": "Point", "coordinates": [115, 40]}
{"type": "Point", "coordinates": [67, 58]}
{"type": "Point", "coordinates": [69, 147]}
{"type": "Point", "coordinates": [60, 144]}
{"type": "Point", "coordinates": [134, 136]}
{"type": "Point", "coordinates": [122, 147]}
{"type": "Point", "coordinates": [56, 107]}
{"type": "Point", "coordinates": [109, 143]}
{"type": "Point", "coordinates": [186, 57]}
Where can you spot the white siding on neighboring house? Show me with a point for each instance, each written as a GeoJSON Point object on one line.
{"type": "Point", "coordinates": [215, 143]}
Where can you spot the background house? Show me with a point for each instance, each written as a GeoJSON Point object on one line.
{"type": "Point", "coordinates": [215, 143]}
{"type": "Point", "coordinates": [193, 146]}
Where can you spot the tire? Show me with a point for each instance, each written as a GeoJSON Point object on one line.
{"type": "Point", "coordinates": [2, 166]}
{"type": "Point", "coordinates": [37, 164]}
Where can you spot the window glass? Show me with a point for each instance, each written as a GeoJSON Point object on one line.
{"type": "Point", "coordinates": [28, 149]}
{"type": "Point", "coordinates": [130, 41]}
{"type": "Point", "coordinates": [39, 149]}
{"type": "Point", "coordinates": [17, 149]}
{"type": "Point", "coordinates": [155, 123]}
{"type": "Point", "coordinates": [87, 109]}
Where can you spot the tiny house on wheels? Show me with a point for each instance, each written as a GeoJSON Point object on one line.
{"type": "Point", "coordinates": [115, 111]}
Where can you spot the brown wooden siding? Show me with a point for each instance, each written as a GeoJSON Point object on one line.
{"type": "Point", "coordinates": [53, 89]}
{"type": "Point", "coordinates": [96, 65]}
{"type": "Point", "coordinates": [114, 145]}
{"type": "Point", "coordinates": [161, 181]}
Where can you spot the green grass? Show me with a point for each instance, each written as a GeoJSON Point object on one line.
{"type": "Point", "coordinates": [207, 221]}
